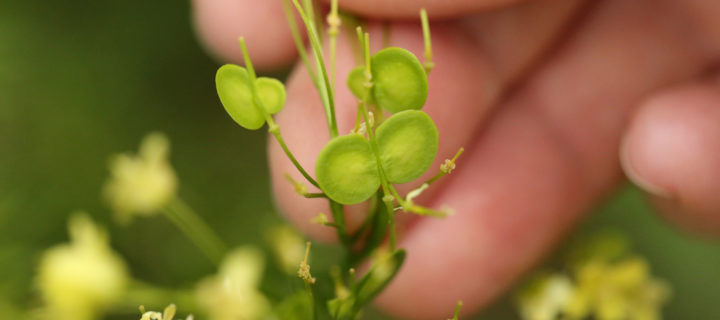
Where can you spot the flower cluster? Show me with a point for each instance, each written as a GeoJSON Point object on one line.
{"type": "Point", "coordinates": [604, 282]}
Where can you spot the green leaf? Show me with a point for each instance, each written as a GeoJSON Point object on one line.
{"type": "Point", "coordinates": [399, 80]}
{"type": "Point", "coordinates": [375, 280]}
{"type": "Point", "coordinates": [233, 88]}
{"type": "Point", "coordinates": [342, 309]}
{"type": "Point", "coordinates": [408, 143]}
{"type": "Point", "coordinates": [347, 170]}
{"type": "Point", "coordinates": [272, 94]}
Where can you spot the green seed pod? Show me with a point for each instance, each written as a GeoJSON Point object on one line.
{"type": "Point", "coordinates": [272, 94]}
{"type": "Point", "coordinates": [346, 169]}
{"type": "Point", "coordinates": [399, 80]}
{"type": "Point", "coordinates": [233, 88]}
{"type": "Point", "coordinates": [356, 83]}
{"type": "Point", "coordinates": [408, 143]}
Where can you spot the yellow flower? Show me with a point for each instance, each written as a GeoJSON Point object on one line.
{"type": "Point", "coordinates": [142, 184]}
{"type": "Point", "coordinates": [167, 314]}
{"type": "Point", "coordinates": [621, 290]}
{"type": "Point", "coordinates": [80, 279]}
{"type": "Point", "coordinates": [545, 297]}
{"type": "Point", "coordinates": [233, 293]}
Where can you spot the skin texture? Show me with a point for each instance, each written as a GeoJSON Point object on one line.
{"type": "Point", "coordinates": [552, 100]}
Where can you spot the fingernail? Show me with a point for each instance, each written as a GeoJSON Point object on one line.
{"type": "Point", "coordinates": [637, 178]}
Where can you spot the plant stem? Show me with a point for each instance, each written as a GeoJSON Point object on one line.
{"type": "Point", "coordinates": [315, 195]}
{"type": "Point", "coordinates": [195, 229]}
{"type": "Point", "coordinates": [299, 43]}
{"type": "Point", "coordinates": [410, 207]}
{"type": "Point", "coordinates": [339, 217]}
{"type": "Point", "coordinates": [326, 91]}
{"type": "Point", "coordinates": [334, 21]}
{"type": "Point", "coordinates": [429, 64]}
{"type": "Point", "coordinates": [273, 128]}
{"type": "Point", "coordinates": [387, 190]}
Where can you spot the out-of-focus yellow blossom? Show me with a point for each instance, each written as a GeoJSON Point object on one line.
{"type": "Point", "coordinates": [167, 314]}
{"type": "Point", "coordinates": [620, 290]}
{"type": "Point", "coordinates": [287, 246]}
{"type": "Point", "coordinates": [606, 283]}
{"type": "Point", "coordinates": [80, 279]}
{"type": "Point", "coordinates": [233, 293]}
{"type": "Point", "coordinates": [545, 297]}
{"type": "Point", "coordinates": [141, 184]}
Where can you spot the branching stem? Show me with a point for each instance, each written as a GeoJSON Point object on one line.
{"type": "Point", "coordinates": [195, 228]}
{"type": "Point", "coordinates": [273, 128]}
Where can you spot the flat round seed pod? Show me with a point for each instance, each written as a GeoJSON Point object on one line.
{"type": "Point", "coordinates": [346, 169]}
{"type": "Point", "coordinates": [233, 87]}
{"type": "Point", "coordinates": [272, 94]}
{"type": "Point", "coordinates": [408, 143]}
{"type": "Point", "coordinates": [399, 80]}
{"type": "Point", "coordinates": [356, 83]}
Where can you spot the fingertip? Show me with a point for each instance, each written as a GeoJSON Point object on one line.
{"type": "Point", "coordinates": [672, 151]}
{"type": "Point", "coordinates": [219, 24]}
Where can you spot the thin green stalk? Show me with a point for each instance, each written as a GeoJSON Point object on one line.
{"type": "Point", "coordinates": [315, 195]}
{"type": "Point", "coordinates": [429, 64]}
{"type": "Point", "coordinates": [411, 207]}
{"type": "Point", "coordinates": [304, 274]}
{"type": "Point", "coordinates": [457, 310]}
{"type": "Point", "coordinates": [309, 289]}
{"type": "Point", "coordinates": [387, 190]}
{"type": "Point", "coordinates": [326, 92]}
{"type": "Point", "coordinates": [275, 130]}
{"type": "Point", "coordinates": [334, 22]}
{"type": "Point", "coordinates": [272, 126]}
{"type": "Point", "coordinates": [309, 8]}
{"type": "Point", "coordinates": [339, 217]}
{"type": "Point", "coordinates": [195, 229]}
{"type": "Point", "coordinates": [299, 43]}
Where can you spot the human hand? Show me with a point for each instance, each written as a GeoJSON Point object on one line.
{"type": "Point", "coordinates": [550, 98]}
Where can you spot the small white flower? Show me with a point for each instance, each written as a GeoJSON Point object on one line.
{"type": "Point", "coordinates": [142, 184]}
{"type": "Point", "coordinates": [546, 298]}
{"type": "Point", "coordinates": [80, 279]}
{"type": "Point", "coordinates": [233, 293]}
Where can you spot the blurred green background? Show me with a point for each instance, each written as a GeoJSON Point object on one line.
{"type": "Point", "coordinates": [81, 82]}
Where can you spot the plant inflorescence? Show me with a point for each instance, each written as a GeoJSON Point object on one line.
{"type": "Point", "coordinates": [392, 142]}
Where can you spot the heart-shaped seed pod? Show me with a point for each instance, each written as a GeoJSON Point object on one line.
{"type": "Point", "coordinates": [356, 83]}
{"type": "Point", "coordinates": [408, 144]}
{"type": "Point", "coordinates": [346, 169]}
{"type": "Point", "coordinates": [399, 80]}
{"type": "Point", "coordinates": [233, 87]}
{"type": "Point", "coordinates": [272, 94]}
